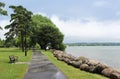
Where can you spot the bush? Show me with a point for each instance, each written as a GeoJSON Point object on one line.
{"type": "Point", "coordinates": [62, 46]}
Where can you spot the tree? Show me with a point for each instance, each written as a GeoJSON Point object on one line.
{"type": "Point", "coordinates": [47, 33]}
{"type": "Point", "coordinates": [2, 11]}
{"type": "Point", "coordinates": [20, 24]}
{"type": "Point", "coordinates": [1, 43]}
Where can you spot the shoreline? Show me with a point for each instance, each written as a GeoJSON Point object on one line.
{"type": "Point", "coordinates": [105, 54]}
{"type": "Point", "coordinates": [86, 64]}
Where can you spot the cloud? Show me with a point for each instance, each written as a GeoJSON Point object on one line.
{"type": "Point", "coordinates": [101, 3]}
{"type": "Point", "coordinates": [3, 23]}
{"type": "Point", "coordinates": [82, 30]}
{"type": "Point", "coordinates": [92, 30]}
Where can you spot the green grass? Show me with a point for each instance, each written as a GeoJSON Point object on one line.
{"type": "Point", "coordinates": [13, 71]}
{"type": "Point", "coordinates": [69, 71]}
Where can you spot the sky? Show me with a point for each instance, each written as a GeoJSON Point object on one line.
{"type": "Point", "coordinates": [78, 20]}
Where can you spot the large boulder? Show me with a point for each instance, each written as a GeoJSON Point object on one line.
{"type": "Point", "coordinates": [55, 54]}
{"type": "Point", "coordinates": [92, 65]}
{"type": "Point", "coordinates": [72, 58]}
{"type": "Point", "coordinates": [93, 62]}
{"type": "Point", "coordinates": [69, 62]}
{"type": "Point", "coordinates": [76, 63]}
{"type": "Point", "coordinates": [107, 71]}
{"type": "Point", "coordinates": [100, 67]}
{"type": "Point", "coordinates": [115, 75]}
{"type": "Point", "coordinates": [66, 55]}
{"type": "Point", "coordinates": [84, 67]}
{"type": "Point", "coordinates": [91, 69]}
{"type": "Point", "coordinates": [66, 60]}
{"type": "Point", "coordinates": [60, 57]}
{"type": "Point", "coordinates": [83, 59]}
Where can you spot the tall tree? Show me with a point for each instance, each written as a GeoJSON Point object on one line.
{"type": "Point", "coordinates": [2, 11]}
{"type": "Point", "coordinates": [47, 33]}
{"type": "Point", "coordinates": [20, 24]}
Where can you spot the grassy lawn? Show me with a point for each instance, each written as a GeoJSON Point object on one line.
{"type": "Point", "coordinates": [13, 71]}
{"type": "Point", "coordinates": [69, 71]}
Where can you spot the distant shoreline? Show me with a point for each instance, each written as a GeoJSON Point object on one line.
{"type": "Point", "coordinates": [93, 44]}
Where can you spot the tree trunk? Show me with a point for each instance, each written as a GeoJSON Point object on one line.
{"type": "Point", "coordinates": [25, 44]}
{"type": "Point", "coordinates": [22, 41]}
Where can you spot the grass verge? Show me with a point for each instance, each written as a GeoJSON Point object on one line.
{"type": "Point", "coordinates": [13, 71]}
{"type": "Point", "coordinates": [69, 71]}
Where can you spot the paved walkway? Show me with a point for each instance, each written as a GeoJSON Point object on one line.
{"type": "Point", "coordinates": [41, 68]}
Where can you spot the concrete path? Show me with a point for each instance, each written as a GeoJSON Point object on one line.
{"type": "Point", "coordinates": [41, 68]}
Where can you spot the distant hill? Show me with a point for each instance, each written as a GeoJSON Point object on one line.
{"type": "Point", "coordinates": [93, 44]}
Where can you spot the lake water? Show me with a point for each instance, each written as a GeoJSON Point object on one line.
{"type": "Point", "coordinates": [105, 54]}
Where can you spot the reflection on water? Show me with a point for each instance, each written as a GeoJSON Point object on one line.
{"type": "Point", "coordinates": [106, 54]}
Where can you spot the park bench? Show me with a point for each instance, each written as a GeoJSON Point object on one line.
{"type": "Point", "coordinates": [13, 58]}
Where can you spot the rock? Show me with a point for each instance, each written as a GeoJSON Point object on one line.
{"type": "Point", "coordinates": [91, 69]}
{"type": "Point", "coordinates": [65, 56]}
{"type": "Point", "coordinates": [55, 54]}
{"type": "Point", "coordinates": [76, 63]}
{"type": "Point", "coordinates": [59, 56]}
{"type": "Point", "coordinates": [107, 72]}
{"type": "Point", "coordinates": [66, 60]}
{"type": "Point", "coordinates": [117, 70]}
{"type": "Point", "coordinates": [83, 59]}
{"type": "Point", "coordinates": [99, 68]}
{"type": "Point", "coordinates": [84, 67]}
{"type": "Point", "coordinates": [86, 64]}
{"type": "Point", "coordinates": [115, 75]}
{"type": "Point", "coordinates": [72, 58]}
{"type": "Point", "coordinates": [69, 62]}
{"type": "Point", "coordinates": [93, 62]}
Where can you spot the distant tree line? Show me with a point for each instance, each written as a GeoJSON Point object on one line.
{"type": "Point", "coordinates": [93, 44]}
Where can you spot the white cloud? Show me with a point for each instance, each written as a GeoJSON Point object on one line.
{"type": "Point", "coordinates": [92, 30]}
{"type": "Point", "coordinates": [101, 3]}
{"type": "Point", "coordinates": [76, 30]}
{"type": "Point", "coordinates": [3, 23]}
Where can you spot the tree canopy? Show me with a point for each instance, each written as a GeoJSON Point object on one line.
{"type": "Point", "coordinates": [2, 11]}
{"type": "Point", "coordinates": [47, 33]}
{"type": "Point", "coordinates": [20, 24]}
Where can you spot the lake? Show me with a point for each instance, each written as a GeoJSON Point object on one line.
{"type": "Point", "coordinates": [105, 54]}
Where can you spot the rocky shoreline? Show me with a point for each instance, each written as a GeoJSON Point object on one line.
{"type": "Point", "coordinates": [87, 64]}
